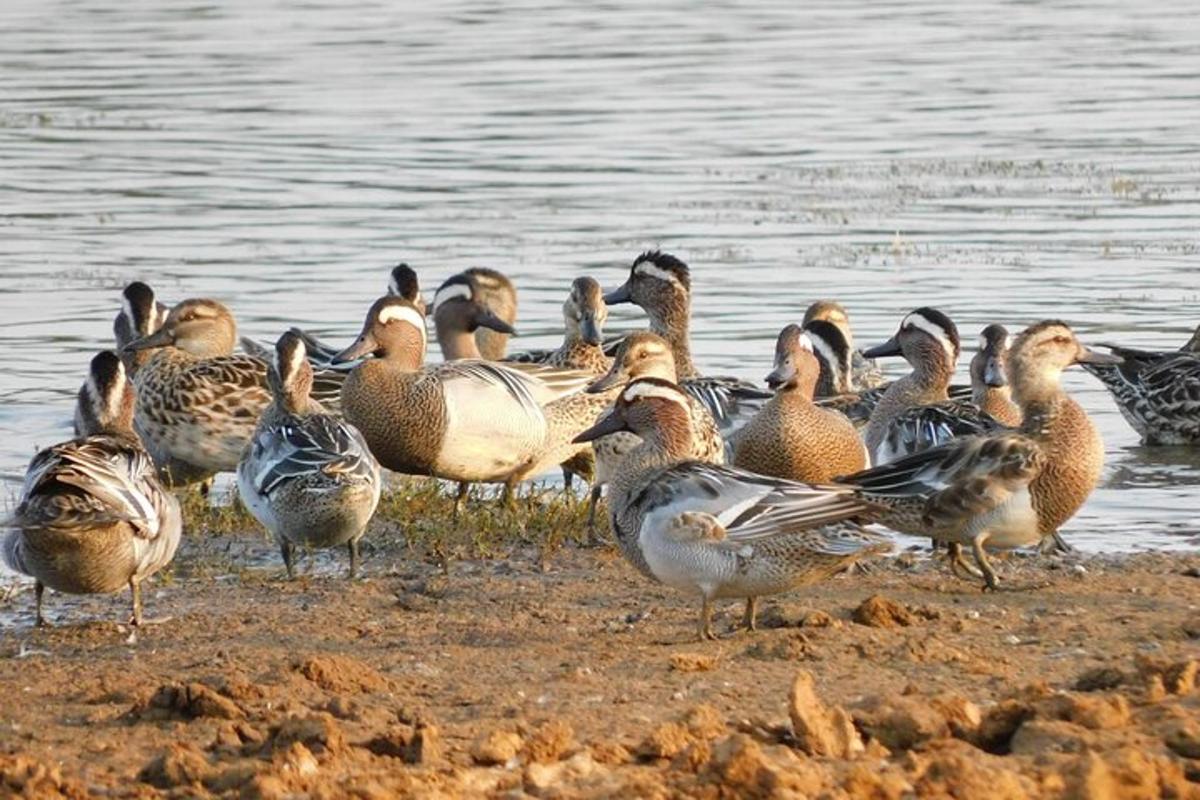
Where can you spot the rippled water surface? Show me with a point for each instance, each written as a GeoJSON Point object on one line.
{"type": "Point", "coordinates": [1003, 161]}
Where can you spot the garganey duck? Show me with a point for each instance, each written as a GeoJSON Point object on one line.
{"type": "Point", "coordinates": [93, 516]}
{"type": "Point", "coordinates": [661, 285]}
{"type": "Point", "coordinates": [716, 531]}
{"type": "Point", "coordinates": [1157, 392]}
{"type": "Point", "coordinates": [865, 373]}
{"type": "Point", "coordinates": [929, 342]}
{"type": "Point", "coordinates": [467, 420]}
{"type": "Point", "coordinates": [920, 427]}
{"type": "Point", "coordinates": [307, 476]}
{"type": "Point", "coordinates": [790, 437]}
{"type": "Point", "coordinates": [459, 313]}
{"type": "Point", "coordinates": [1008, 489]}
{"type": "Point", "coordinates": [584, 314]}
{"type": "Point", "coordinates": [497, 293]}
{"type": "Point", "coordinates": [197, 402]}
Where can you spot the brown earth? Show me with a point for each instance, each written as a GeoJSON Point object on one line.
{"type": "Point", "coordinates": [571, 676]}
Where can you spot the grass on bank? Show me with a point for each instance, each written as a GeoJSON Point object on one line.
{"type": "Point", "coordinates": [417, 514]}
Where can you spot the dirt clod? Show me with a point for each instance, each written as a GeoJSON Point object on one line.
{"type": "Point", "coordinates": [496, 748]}
{"type": "Point", "coordinates": [820, 731]}
{"type": "Point", "coordinates": [878, 611]}
{"type": "Point", "coordinates": [341, 674]}
{"type": "Point", "coordinates": [190, 701]}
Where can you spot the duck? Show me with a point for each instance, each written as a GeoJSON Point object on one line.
{"type": "Point", "coordinates": [459, 313]}
{"type": "Point", "coordinates": [929, 342]}
{"type": "Point", "coordinates": [584, 315]}
{"type": "Point", "coordinates": [989, 409]}
{"type": "Point", "coordinates": [715, 531]}
{"type": "Point", "coordinates": [660, 284]}
{"type": "Point", "coordinates": [468, 420]}
{"type": "Point", "coordinates": [93, 516]}
{"type": "Point", "coordinates": [307, 476]}
{"type": "Point", "coordinates": [1157, 392]}
{"type": "Point", "coordinates": [1005, 489]}
{"type": "Point", "coordinates": [197, 402]}
{"type": "Point", "coordinates": [865, 372]}
{"type": "Point", "coordinates": [835, 384]}
{"type": "Point", "coordinates": [791, 437]}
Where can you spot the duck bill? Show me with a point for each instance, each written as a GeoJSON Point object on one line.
{"type": "Point", "coordinates": [486, 319]}
{"type": "Point", "coordinates": [605, 382]}
{"type": "Point", "coordinates": [590, 331]}
{"type": "Point", "coordinates": [619, 295]}
{"type": "Point", "coordinates": [609, 423]}
{"type": "Point", "coordinates": [158, 339]}
{"type": "Point", "coordinates": [889, 348]}
{"type": "Point", "coordinates": [780, 376]}
{"type": "Point", "coordinates": [1087, 356]}
{"type": "Point", "coordinates": [363, 346]}
{"type": "Point", "coordinates": [993, 373]}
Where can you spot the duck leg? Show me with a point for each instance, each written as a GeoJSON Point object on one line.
{"type": "Point", "coordinates": [959, 565]}
{"type": "Point", "coordinates": [39, 589]}
{"type": "Point", "coordinates": [706, 631]}
{"type": "Point", "coordinates": [750, 618]}
{"type": "Point", "coordinates": [568, 479]}
{"type": "Point", "coordinates": [989, 574]}
{"type": "Point", "coordinates": [593, 501]}
{"type": "Point", "coordinates": [460, 497]}
{"type": "Point", "coordinates": [352, 545]}
{"type": "Point", "coordinates": [289, 556]}
{"type": "Point", "coordinates": [135, 589]}
{"type": "Point", "coordinates": [509, 497]}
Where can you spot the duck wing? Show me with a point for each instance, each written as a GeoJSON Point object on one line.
{"type": "Point", "coordinates": [748, 506]}
{"type": "Point", "coordinates": [922, 427]}
{"type": "Point", "coordinates": [731, 401]}
{"type": "Point", "coordinates": [304, 446]}
{"type": "Point", "coordinates": [91, 482]}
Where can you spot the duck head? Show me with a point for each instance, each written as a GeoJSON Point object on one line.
{"type": "Point", "coordinates": [584, 311]}
{"type": "Point", "coordinates": [202, 327]}
{"type": "Point", "coordinates": [394, 329]}
{"type": "Point", "coordinates": [289, 374]}
{"type": "Point", "coordinates": [110, 395]}
{"type": "Point", "coordinates": [1039, 355]}
{"type": "Point", "coordinates": [459, 311]}
{"type": "Point", "coordinates": [988, 365]}
{"type": "Point", "coordinates": [927, 339]}
{"type": "Point", "coordinates": [653, 408]}
{"type": "Point", "coordinates": [641, 355]}
{"type": "Point", "coordinates": [796, 366]}
{"type": "Point", "coordinates": [833, 312]}
{"type": "Point", "coordinates": [834, 358]}
{"type": "Point", "coordinates": [403, 283]}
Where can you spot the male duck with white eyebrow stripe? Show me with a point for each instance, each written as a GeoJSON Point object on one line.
{"type": "Point", "coordinates": [929, 341]}
{"type": "Point", "coordinates": [661, 285]}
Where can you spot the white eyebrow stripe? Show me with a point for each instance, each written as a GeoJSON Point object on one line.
{"type": "Point", "coordinates": [398, 313]}
{"type": "Point", "coordinates": [393, 285]}
{"type": "Point", "coordinates": [805, 342]}
{"type": "Point", "coordinates": [646, 389]}
{"type": "Point", "coordinates": [934, 330]}
{"type": "Point", "coordinates": [449, 293]}
{"type": "Point", "coordinates": [826, 352]}
{"type": "Point", "coordinates": [654, 271]}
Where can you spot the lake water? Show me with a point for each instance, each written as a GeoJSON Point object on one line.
{"type": "Point", "coordinates": [1004, 161]}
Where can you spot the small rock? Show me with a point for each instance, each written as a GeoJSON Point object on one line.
{"type": "Point", "coordinates": [179, 765]}
{"type": "Point", "coordinates": [319, 733]}
{"type": "Point", "coordinates": [741, 766]}
{"type": "Point", "coordinates": [900, 723]}
{"type": "Point", "coordinates": [549, 741]}
{"type": "Point", "coordinates": [1038, 736]}
{"type": "Point", "coordinates": [963, 716]}
{"type": "Point", "coordinates": [297, 760]}
{"type": "Point", "coordinates": [1099, 679]}
{"type": "Point", "coordinates": [413, 745]}
{"type": "Point", "coordinates": [1184, 739]}
{"type": "Point", "coordinates": [693, 662]}
{"type": "Point", "coordinates": [818, 730]}
{"type": "Point", "coordinates": [496, 748]}
{"type": "Point", "coordinates": [879, 612]}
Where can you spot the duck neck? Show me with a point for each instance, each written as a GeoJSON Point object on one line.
{"type": "Point", "coordinates": [673, 323]}
{"type": "Point", "coordinates": [933, 370]}
{"type": "Point", "coordinates": [1041, 398]}
{"type": "Point", "coordinates": [457, 344]}
{"type": "Point", "coordinates": [987, 397]}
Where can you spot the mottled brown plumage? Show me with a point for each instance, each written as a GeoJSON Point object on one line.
{"type": "Point", "coordinates": [790, 437]}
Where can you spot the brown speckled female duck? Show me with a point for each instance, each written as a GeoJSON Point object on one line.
{"type": "Point", "coordinates": [197, 402]}
{"type": "Point", "coordinates": [1002, 490]}
{"type": "Point", "coordinates": [790, 437]}
{"type": "Point", "coordinates": [93, 516]}
{"type": "Point", "coordinates": [584, 314]}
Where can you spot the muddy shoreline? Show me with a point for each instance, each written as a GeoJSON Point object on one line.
{"type": "Point", "coordinates": [565, 674]}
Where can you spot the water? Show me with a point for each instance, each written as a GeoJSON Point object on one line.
{"type": "Point", "coordinates": [1003, 161]}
